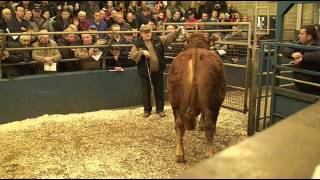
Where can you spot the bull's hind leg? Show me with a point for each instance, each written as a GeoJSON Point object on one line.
{"type": "Point", "coordinates": [190, 118]}
{"type": "Point", "coordinates": [210, 127]}
{"type": "Point", "coordinates": [202, 125]}
{"type": "Point", "coordinates": [179, 127]}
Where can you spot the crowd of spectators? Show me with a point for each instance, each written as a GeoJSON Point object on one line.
{"type": "Point", "coordinates": [73, 16]}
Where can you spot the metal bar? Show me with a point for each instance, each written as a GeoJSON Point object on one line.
{"type": "Point", "coordinates": [58, 47]}
{"type": "Point", "coordinates": [61, 60]}
{"type": "Point", "coordinates": [208, 23]}
{"type": "Point", "coordinates": [316, 48]}
{"type": "Point", "coordinates": [315, 73]}
{"type": "Point", "coordinates": [236, 87]}
{"type": "Point", "coordinates": [232, 43]}
{"type": "Point", "coordinates": [235, 65]}
{"type": "Point", "coordinates": [235, 109]}
{"type": "Point", "coordinates": [299, 81]}
{"type": "Point", "coordinates": [285, 85]}
{"type": "Point", "coordinates": [279, 115]}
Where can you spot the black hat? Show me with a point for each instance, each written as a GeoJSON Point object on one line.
{"type": "Point", "coordinates": [37, 7]}
{"type": "Point", "coordinates": [189, 13]}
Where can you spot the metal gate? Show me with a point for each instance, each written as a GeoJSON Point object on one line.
{"type": "Point", "coordinates": [233, 44]}
{"type": "Point", "coordinates": [277, 96]}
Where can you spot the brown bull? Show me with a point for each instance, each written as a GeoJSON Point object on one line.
{"type": "Point", "coordinates": [196, 84]}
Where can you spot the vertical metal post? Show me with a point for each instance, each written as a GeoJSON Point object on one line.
{"type": "Point", "coordinates": [248, 62]}
{"type": "Point", "coordinates": [3, 47]}
{"type": "Point", "coordinates": [260, 80]}
{"type": "Point", "coordinates": [164, 29]}
{"type": "Point", "coordinates": [253, 79]}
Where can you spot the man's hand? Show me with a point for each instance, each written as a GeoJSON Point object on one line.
{"type": "Point", "coordinates": [146, 53]}
{"type": "Point", "coordinates": [118, 68]}
{"type": "Point", "coordinates": [182, 31]}
{"type": "Point", "coordinates": [5, 55]}
{"type": "Point", "coordinates": [116, 57]}
{"type": "Point", "coordinates": [48, 60]}
{"type": "Point", "coordinates": [93, 51]}
{"type": "Point", "coordinates": [297, 56]}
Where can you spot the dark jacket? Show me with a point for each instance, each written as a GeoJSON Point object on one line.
{"type": "Point", "coordinates": [142, 19]}
{"type": "Point", "coordinates": [310, 61]}
{"type": "Point", "coordinates": [17, 56]}
{"type": "Point", "coordinates": [159, 49]}
{"type": "Point", "coordinates": [15, 26]}
{"type": "Point", "coordinates": [61, 25]}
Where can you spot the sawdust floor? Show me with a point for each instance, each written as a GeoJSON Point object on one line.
{"type": "Point", "coordinates": [115, 143]}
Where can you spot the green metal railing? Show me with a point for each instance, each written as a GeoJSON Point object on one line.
{"type": "Point", "coordinates": [274, 80]}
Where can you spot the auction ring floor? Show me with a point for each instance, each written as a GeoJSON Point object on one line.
{"type": "Point", "coordinates": [116, 143]}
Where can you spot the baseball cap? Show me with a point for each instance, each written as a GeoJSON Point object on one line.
{"type": "Point", "coordinates": [145, 27]}
{"type": "Point", "coordinates": [92, 26]}
{"type": "Point", "coordinates": [37, 7]}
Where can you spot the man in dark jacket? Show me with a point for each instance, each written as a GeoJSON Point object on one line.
{"type": "Point", "coordinates": [68, 40]}
{"type": "Point", "coordinates": [148, 53]}
{"type": "Point", "coordinates": [18, 56]}
{"type": "Point", "coordinates": [17, 23]}
{"type": "Point", "coordinates": [63, 21]}
{"type": "Point", "coordinates": [143, 17]}
{"type": "Point", "coordinates": [306, 59]}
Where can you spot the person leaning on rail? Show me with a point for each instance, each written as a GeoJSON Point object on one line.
{"type": "Point", "coordinates": [148, 53]}
{"type": "Point", "coordinates": [90, 58]}
{"type": "Point", "coordinates": [18, 56]}
{"type": "Point", "coordinates": [306, 59]}
{"type": "Point", "coordinates": [46, 56]}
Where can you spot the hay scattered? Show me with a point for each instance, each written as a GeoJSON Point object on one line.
{"type": "Point", "coordinates": [106, 144]}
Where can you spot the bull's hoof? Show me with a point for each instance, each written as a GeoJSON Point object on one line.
{"type": "Point", "coordinates": [190, 128]}
{"type": "Point", "coordinates": [209, 153]}
{"type": "Point", "coordinates": [180, 159]}
{"type": "Point", "coordinates": [202, 128]}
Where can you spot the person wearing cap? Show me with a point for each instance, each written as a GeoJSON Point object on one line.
{"type": "Point", "coordinates": [38, 22]}
{"type": "Point", "coordinates": [98, 24]}
{"type": "Point", "coordinates": [148, 53]}
{"type": "Point", "coordinates": [93, 28]}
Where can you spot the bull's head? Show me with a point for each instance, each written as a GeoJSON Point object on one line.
{"type": "Point", "coordinates": [197, 40]}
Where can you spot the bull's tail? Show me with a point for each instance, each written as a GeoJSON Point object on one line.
{"type": "Point", "coordinates": [191, 113]}
{"type": "Point", "coordinates": [195, 71]}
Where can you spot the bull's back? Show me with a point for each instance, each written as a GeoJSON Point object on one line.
{"type": "Point", "coordinates": [210, 78]}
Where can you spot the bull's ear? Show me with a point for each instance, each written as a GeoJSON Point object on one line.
{"type": "Point", "coordinates": [188, 40]}
{"type": "Point", "coordinates": [213, 39]}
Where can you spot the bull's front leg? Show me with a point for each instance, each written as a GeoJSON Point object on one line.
{"type": "Point", "coordinates": [179, 128]}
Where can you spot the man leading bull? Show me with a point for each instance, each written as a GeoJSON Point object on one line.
{"type": "Point", "coordinates": [148, 53]}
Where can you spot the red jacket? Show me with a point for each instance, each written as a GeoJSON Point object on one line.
{"type": "Point", "coordinates": [190, 26]}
